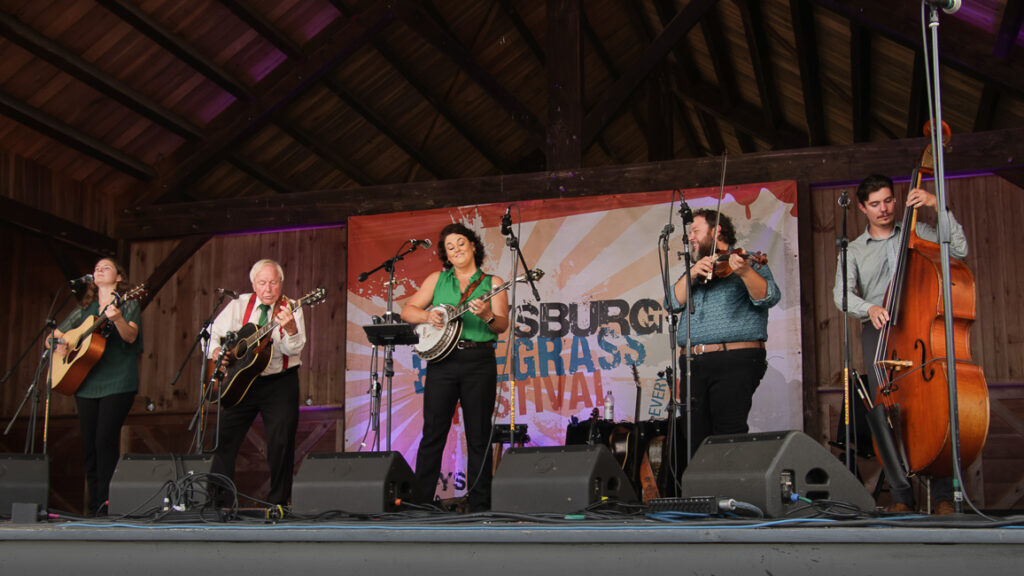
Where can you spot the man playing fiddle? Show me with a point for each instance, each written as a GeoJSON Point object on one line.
{"type": "Point", "coordinates": [871, 263]}
{"type": "Point", "coordinates": [728, 327]}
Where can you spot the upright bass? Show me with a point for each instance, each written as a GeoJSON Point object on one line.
{"type": "Point", "coordinates": [912, 362]}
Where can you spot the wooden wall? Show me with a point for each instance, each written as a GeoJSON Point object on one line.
{"type": "Point", "coordinates": [987, 207]}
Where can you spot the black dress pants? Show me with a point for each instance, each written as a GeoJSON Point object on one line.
{"type": "Point", "coordinates": [468, 377]}
{"type": "Point", "coordinates": [722, 390]}
{"type": "Point", "coordinates": [100, 420]}
{"type": "Point", "coordinates": [276, 398]}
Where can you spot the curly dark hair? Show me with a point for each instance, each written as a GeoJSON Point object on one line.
{"type": "Point", "coordinates": [728, 230]}
{"type": "Point", "coordinates": [873, 183]}
{"type": "Point", "coordinates": [457, 228]}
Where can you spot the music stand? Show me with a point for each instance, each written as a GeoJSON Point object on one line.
{"type": "Point", "coordinates": [387, 335]}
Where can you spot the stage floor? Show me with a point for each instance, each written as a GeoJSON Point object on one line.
{"type": "Point", "coordinates": [493, 544]}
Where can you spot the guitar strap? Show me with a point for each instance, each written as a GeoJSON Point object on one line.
{"type": "Point", "coordinates": [470, 288]}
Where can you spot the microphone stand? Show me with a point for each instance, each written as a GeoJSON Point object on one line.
{"type": "Point", "coordinates": [202, 341]}
{"type": "Point", "coordinates": [935, 103]}
{"type": "Point", "coordinates": [849, 374]}
{"type": "Point", "coordinates": [45, 361]}
{"type": "Point", "coordinates": [513, 243]}
{"type": "Point", "coordinates": [389, 349]}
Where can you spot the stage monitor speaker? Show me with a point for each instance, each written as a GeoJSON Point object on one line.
{"type": "Point", "coordinates": [140, 481]}
{"type": "Point", "coordinates": [767, 469]}
{"type": "Point", "coordinates": [24, 478]}
{"type": "Point", "coordinates": [353, 482]}
{"type": "Point", "coordinates": [558, 479]}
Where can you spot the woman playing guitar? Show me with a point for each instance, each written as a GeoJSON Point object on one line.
{"type": "Point", "coordinates": [106, 393]}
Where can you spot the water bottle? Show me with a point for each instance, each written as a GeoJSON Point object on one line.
{"type": "Point", "coordinates": [609, 406]}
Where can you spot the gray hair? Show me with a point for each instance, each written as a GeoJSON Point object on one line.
{"type": "Point", "coordinates": [259, 266]}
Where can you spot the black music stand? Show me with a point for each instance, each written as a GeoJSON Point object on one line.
{"type": "Point", "coordinates": [387, 335]}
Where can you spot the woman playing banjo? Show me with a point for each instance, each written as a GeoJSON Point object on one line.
{"type": "Point", "coordinates": [469, 374]}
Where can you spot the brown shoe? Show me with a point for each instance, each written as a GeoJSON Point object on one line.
{"type": "Point", "coordinates": [944, 508]}
{"type": "Point", "coordinates": [898, 508]}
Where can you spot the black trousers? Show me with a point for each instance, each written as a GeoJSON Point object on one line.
{"type": "Point", "coordinates": [722, 390]}
{"type": "Point", "coordinates": [100, 420]}
{"type": "Point", "coordinates": [276, 398]}
{"type": "Point", "coordinates": [468, 377]}
{"type": "Point", "coordinates": [942, 487]}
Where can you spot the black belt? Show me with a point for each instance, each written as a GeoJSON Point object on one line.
{"type": "Point", "coordinates": [463, 344]}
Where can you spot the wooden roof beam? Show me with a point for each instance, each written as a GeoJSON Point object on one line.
{"type": "Point", "coordinates": [335, 43]}
{"type": "Point", "coordinates": [326, 151]}
{"type": "Point", "coordinates": [1009, 29]}
{"type": "Point", "coordinates": [718, 49]}
{"type": "Point", "coordinates": [418, 155]}
{"type": "Point", "coordinates": [74, 138]}
{"type": "Point", "coordinates": [84, 71]}
{"type": "Point", "coordinates": [265, 28]}
{"type": "Point", "coordinates": [860, 81]}
{"type": "Point", "coordinates": [260, 173]}
{"type": "Point", "coordinates": [435, 32]}
{"type": "Point", "coordinates": [170, 265]}
{"type": "Point", "coordinates": [524, 31]}
{"type": "Point", "coordinates": [605, 111]}
{"type": "Point", "coordinates": [962, 46]}
{"type": "Point", "coordinates": [829, 165]}
{"type": "Point", "coordinates": [810, 70]}
{"type": "Point", "coordinates": [47, 225]}
{"type": "Point", "coordinates": [917, 108]}
{"type": "Point", "coordinates": [757, 43]}
{"type": "Point", "coordinates": [564, 150]}
{"type": "Point", "coordinates": [146, 25]}
{"type": "Point", "coordinates": [685, 73]}
{"type": "Point", "coordinates": [986, 108]}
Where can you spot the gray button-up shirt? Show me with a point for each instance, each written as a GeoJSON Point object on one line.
{"type": "Point", "coordinates": [871, 263]}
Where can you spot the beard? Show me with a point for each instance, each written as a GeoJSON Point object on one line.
{"type": "Point", "coordinates": [702, 248]}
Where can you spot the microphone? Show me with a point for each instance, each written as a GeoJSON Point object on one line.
{"type": "Point", "coordinates": [844, 199]}
{"type": "Point", "coordinates": [420, 243]}
{"type": "Point", "coordinates": [229, 293]}
{"type": "Point", "coordinates": [685, 213]}
{"type": "Point", "coordinates": [79, 282]}
{"type": "Point", "coordinates": [506, 221]}
{"type": "Point", "coordinates": [947, 6]}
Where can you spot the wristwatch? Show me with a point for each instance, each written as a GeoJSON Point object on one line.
{"type": "Point", "coordinates": [490, 320]}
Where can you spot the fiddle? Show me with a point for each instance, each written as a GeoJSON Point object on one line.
{"type": "Point", "coordinates": [722, 267]}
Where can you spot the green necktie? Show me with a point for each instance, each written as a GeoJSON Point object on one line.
{"type": "Point", "coordinates": [264, 308]}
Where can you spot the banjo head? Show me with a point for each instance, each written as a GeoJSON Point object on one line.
{"type": "Point", "coordinates": [434, 342]}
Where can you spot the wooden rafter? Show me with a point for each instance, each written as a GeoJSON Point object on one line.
{"type": "Point", "coordinates": [990, 151]}
{"type": "Point", "coordinates": [1009, 28]}
{"type": "Point", "coordinates": [435, 32]}
{"type": "Point", "coordinates": [917, 108]}
{"type": "Point", "coordinates": [986, 108]}
{"type": "Point", "coordinates": [74, 138]}
{"type": "Point", "coordinates": [259, 172]}
{"type": "Point", "coordinates": [384, 128]}
{"type": "Point", "coordinates": [36, 221]}
{"type": "Point", "coordinates": [145, 24]}
{"type": "Point", "coordinates": [565, 85]}
{"type": "Point", "coordinates": [963, 46]}
{"type": "Point", "coordinates": [325, 150]}
{"type": "Point", "coordinates": [79, 68]}
{"type": "Point", "coordinates": [860, 81]}
{"type": "Point", "coordinates": [264, 28]}
{"type": "Point", "coordinates": [605, 111]}
{"type": "Point", "coordinates": [806, 44]}
{"type": "Point", "coordinates": [171, 264]}
{"type": "Point", "coordinates": [524, 31]}
{"type": "Point", "coordinates": [438, 103]}
{"type": "Point", "coordinates": [274, 93]}
{"type": "Point", "coordinates": [757, 43]}
{"type": "Point", "coordinates": [711, 26]}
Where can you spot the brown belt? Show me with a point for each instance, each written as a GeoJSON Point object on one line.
{"type": "Point", "coordinates": [699, 349]}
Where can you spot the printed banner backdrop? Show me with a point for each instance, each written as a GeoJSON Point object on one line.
{"type": "Point", "coordinates": [600, 311]}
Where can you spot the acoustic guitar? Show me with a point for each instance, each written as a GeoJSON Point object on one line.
{"type": "Point", "coordinates": [249, 353]}
{"type": "Point", "coordinates": [86, 344]}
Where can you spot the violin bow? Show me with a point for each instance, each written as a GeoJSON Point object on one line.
{"type": "Point", "coordinates": [718, 212]}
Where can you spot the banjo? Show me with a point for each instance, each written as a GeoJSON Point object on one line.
{"type": "Point", "coordinates": [437, 343]}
